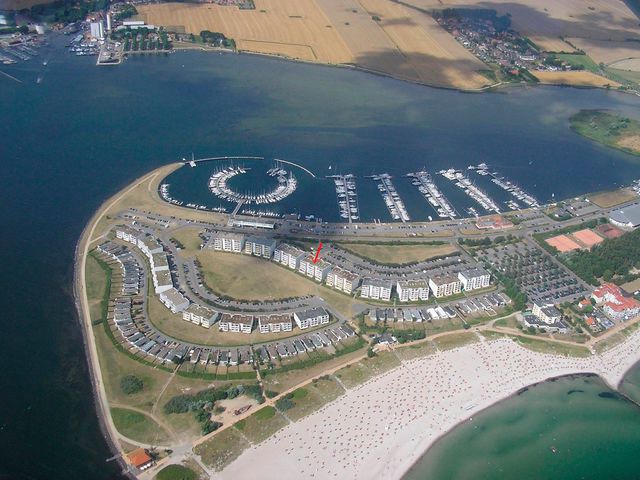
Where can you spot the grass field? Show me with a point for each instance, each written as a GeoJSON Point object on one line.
{"type": "Point", "coordinates": [555, 348]}
{"type": "Point", "coordinates": [313, 396]}
{"type": "Point", "coordinates": [137, 426]}
{"type": "Point", "coordinates": [251, 278]}
{"type": "Point", "coordinates": [398, 254]}
{"type": "Point", "coordinates": [577, 60]}
{"type": "Point", "coordinates": [455, 340]}
{"type": "Point", "coordinates": [613, 197]}
{"type": "Point", "coordinates": [222, 449]}
{"type": "Point", "coordinates": [261, 425]}
{"type": "Point", "coordinates": [608, 129]}
{"type": "Point", "coordinates": [415, 351]}
{"type": "Point", "coordinates": [188, 237]}
{"type": "Point", "coordinates": [96, 282]}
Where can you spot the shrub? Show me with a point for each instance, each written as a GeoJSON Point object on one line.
{"type": "Point", "coordinates": [285, 403]}
{"type": "Point", "coordinates": [131, 384]}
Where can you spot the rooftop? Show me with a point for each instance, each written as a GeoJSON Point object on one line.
{"type": "Point", "coordinates": [627, 215]}
{"type": "Point", "coordinates": [376, 282]}
{"type": "Point", "coordinates": [311, 313]}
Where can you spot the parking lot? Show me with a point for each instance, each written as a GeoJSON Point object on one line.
{"type": "Point", "coordinates": [541, 278]}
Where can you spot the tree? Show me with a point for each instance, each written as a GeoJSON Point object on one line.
{"type": "Point", "coordinates": [131, 384]}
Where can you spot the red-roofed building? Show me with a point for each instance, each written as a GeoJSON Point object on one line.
{"type": "Point", "coordinates": [140, 459]}
{"type": "Point", "coordinates": [615, 303]}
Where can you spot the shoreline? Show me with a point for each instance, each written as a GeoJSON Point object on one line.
{"type": "Point", "coordinates": [495, 88]}
{"type": "Point", "coordinates": [518, 393]}
{"type": "Point", "coordinates": [398, 450]}
{"type": "Point", "coordinates": [100, 400]}
{"type": "Point", "coordinates": [412, 454]}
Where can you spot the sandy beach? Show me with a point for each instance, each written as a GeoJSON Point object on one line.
{"type": "Point", "coordinates": [382, 427]}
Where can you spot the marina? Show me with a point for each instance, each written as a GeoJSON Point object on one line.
{"type": "Point", "coordinates": [347, 196]}
{"type": "Point", "coordinates": [218, 184]}
{"type": "Point", "coordinates": [468, 187]}
{"type": "Point", "coordinates": [432, 194]}
{"type": "Point", "coordinates": [507, 185]}
{"type": "Point", "coordinates": [392, 200]}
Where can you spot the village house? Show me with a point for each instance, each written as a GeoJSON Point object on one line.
{"type": "Point", "coordinates": [615, 303]}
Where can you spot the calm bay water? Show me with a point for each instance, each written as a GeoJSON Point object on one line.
{"type": "Point", "coordinates": [571, 428]}
{"type": "Point", "coordinates": [84, 132]}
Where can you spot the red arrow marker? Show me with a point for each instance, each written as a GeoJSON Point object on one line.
{"type": "Point", "coordinates": [315, 259]}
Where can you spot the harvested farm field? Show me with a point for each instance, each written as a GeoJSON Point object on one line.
{"type": "Point", "coordinates": [377, 35]}
{"type": "Point", "coordinates": [296, 29]}
{"type": "Point", "coordinates": [577, 78]}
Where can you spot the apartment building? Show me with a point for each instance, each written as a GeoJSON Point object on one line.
{"type": "Point", "coordinates": [412, 290]}
{"type": "Point", "coordinates": [343, 280]}
{"type": "Point", "coordinates": [376, 289]}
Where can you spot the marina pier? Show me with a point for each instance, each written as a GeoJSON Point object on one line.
{"type": "Point", "coordinates": [392, 200]}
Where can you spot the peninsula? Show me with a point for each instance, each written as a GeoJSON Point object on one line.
{"type": "Point", "coordinates": [609, 129]}
{"type": "Point", "coordinates": [217, 339]}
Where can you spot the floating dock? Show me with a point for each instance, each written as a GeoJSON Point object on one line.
{"type": "Point", "coordinates": [347, 196]}
{"type": "Point", "coordinates": [507, 185]}
{"type": "Point", "coordinates": [467, 186]}
{"type": "Point", "coordinates": [219, 187]}
{"type": "Point", "coordinates": [392, 200]}
{"type": "Point", "coordinates": [432, 194]}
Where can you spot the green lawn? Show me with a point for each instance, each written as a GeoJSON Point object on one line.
{"type": "Point", "coordinates": [579, 60]}
{"type": "Point", "coordinates": [310, 398]}
{"type": "Point", "coordinates": [222, 449]}
{"type": "Point", "coordinates": [137, 426]}
{"type": "Point", "coordinates": [552, 347]}
{"type": "Point", "coordinates": [176, 472]}
{"type": "Point", "coordinates": [455, 340]}
{"type": "Point", "coordinates": [609, 129]}
{"type": "Point", "coordinates": [261, 425]}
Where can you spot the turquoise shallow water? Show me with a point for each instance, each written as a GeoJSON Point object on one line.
{"type": "Point", "coordinates": [571, 428]}
{"type": "Point", "coordinates": [80, 135]}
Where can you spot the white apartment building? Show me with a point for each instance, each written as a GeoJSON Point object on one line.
{"type": "Point", "coordinates": [412, 290]}
{"type": "Point", "coordinates": [159, 262]}
{"type": "Point", "coordinates": [228, 242]}
{"type": "Point", "coordinates": [546, 312]}
{"type": "Point", "coordinates": [343, 280]}
{"type": "Point", "coordinates": [174, 300]}
{"type": "Point", "coordinates": [376, 289]}
{"type": "Point", "coordinates": [275, 323]}
{"type": "Point", "coordinates": [288, 255]}
{"type": "Point", "coordinates": [97, 30]}
{"type": "Point", "coordinates": [318, 271]}
{"type": "Point", "coordinates": [259, 246]}
{"type": "Point", "coordinates": [474, 278]}
{"type": "Point", "coordinates": [200, 315]}
{"type": "Point", "coordinates": [149, 245]}
{"type": "Point", "coordinates": [445, 285]}
{"type": "Point", "coordinates": [236, 323]}
{"type": "Point", "coordinates": [311, 317]}
{"type": "Point", "coordinates": [161, 281]}
{"type": "Point", "coordinates": [128, 234]}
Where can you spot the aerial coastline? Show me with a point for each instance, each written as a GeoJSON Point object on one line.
{"type": "Point", "coordinates": [487, 341]}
